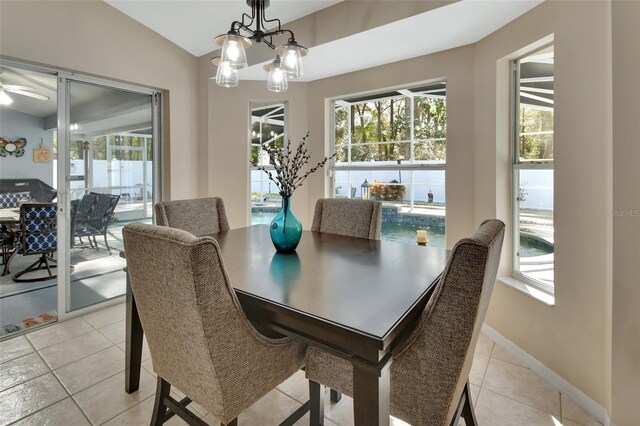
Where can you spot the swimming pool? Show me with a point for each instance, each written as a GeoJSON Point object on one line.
{"type": "Point", "coordinates": [391, 231]}
{"type": "Point", "coordinates": [406, 233]}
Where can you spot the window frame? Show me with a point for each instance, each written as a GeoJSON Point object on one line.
{"type": "Point", "coordinates": [516, 166]}
{"type": "Point", "coordinates": [285, 136]}
{"type": "Point", "coordinates": [409, 165]}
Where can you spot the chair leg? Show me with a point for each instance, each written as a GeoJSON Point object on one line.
{"type": "Point", "coordinates": [335, 395]}
{"type": "Point", "coordinates": [316, 396]}
{"type": "Point", "coordinates": [163, 389]}
{"type": "Point", "coordinates": [95, 242]}
{"type": "Point", "coordinates": [46, 263]}
{"type": "Point", "coordinates": [8, 263]}
{"type": "Point", "coordinates": [43, 260]}
{"type": "Point", "coordinates": [467, 409]}
{"type": "Point", "coordinates": [107, 244]}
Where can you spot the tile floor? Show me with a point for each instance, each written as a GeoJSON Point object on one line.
{"type": "Point", "coordinates": [72, 373]}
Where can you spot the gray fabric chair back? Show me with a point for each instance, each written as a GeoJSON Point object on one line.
{"type": "Point", "coordinates": [434, 364]}
{"type": "Point", "coordinates": [199, 337]}
{"type": "Point", "coordinates": [199, 216]}
{"type": "Point", "coordinates": [352, 218]}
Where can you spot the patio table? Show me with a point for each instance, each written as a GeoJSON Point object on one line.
{"type": "Point", "coordinates": [9, 216]}
{"type": "Point", "coordinates": [357, 298]}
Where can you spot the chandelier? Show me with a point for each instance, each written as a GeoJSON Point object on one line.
{"type": "Point", "coordinates": [287, 63]}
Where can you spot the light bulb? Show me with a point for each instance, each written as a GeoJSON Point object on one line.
{"type": "Point", "coordinates": [277, 81]}
{"type": "Point", "coordinates": [292, 54]}
{"type": "Point", "coordinates": [291, 59]}
{"type": "Point", "coordinates": [227, 76]}
{"type": "Point", "coordinates": [4, 98]}
{"type": "Point", "coordinates": [233, 51]}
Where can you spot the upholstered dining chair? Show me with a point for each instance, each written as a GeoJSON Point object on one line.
{"type": "Point", "coordinates": [430, 370]}
{"type": "Point", "coordinates": [348, 217]}
{"type": "Point", "coordinates": [199, 216]}
{"type": "Point", "coordinates": [199, 337]}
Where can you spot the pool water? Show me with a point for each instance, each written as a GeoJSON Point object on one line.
{"type": "Point", "coordinates": [262, 218]}
{"type": "Point", "coordinates": [406, 233]}
{"type": "Point", "coordinates": [399, 232]}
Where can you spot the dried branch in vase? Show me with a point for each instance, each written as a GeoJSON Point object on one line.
{"type": "Point", "coordinates": [288, 165]}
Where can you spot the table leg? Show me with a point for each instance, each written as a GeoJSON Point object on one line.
{"type": "Point", "coordinates": [371, 391]}
{"type": "Point", "coordinates": [133, 343]}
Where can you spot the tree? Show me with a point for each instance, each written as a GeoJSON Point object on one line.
{"type": "Point", "coordinates": [537, 141]}
{"type": "Point", "coordinates": [380, 130]}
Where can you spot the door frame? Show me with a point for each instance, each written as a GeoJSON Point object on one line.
{"type": "Point", "coordinates": [63, 79]}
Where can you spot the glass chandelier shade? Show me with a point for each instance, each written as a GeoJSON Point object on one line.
{"type": "Point", "coordinates": [233, 49]}
{"type": "Point", "coordinates": [226, 76]}
{"type": "Point", "coordinates": [291, 54]}
{"type": "Point", "coordinates": [277, 81]}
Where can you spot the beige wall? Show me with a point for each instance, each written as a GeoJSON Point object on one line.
{"type": "Point", "coordinates": [572, 337]}
{"type": "Point", "coordinates": [626, 201]}
{"type": "Point", "coordinates": [91, 37]}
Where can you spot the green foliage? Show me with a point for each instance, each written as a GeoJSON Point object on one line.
{"type": "Point", "coordinates": [380, 130]}
{"type": "Point", "coordinates": [430, 131]}
{"type": "Point", "coordinates": [255, 155]}
{"type": "Point", "coordinates": [392, 191]}
{"type": "Point", "coordinates": [537, 146]}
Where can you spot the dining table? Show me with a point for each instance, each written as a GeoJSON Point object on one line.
{"type": "Point", "coordinates": [356, 298]}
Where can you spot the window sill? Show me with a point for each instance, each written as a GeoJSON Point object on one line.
{"type": "Point", "coordinates": [541, 296]}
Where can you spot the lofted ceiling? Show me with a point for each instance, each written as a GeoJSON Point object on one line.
{"type": "Point", "coordinates": [193, 25]}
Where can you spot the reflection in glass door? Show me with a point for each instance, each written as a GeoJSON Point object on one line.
{"type": "Point", "coordinates": [109, 178]}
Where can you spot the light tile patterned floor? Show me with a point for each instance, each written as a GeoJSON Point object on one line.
{"type": "Point", "coordinates": [73, 374]}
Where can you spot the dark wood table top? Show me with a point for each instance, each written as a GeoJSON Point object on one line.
{"type": "Point", "coordinates": [354, 297]}
{"type": "Point", "coordinates": [357, 285]}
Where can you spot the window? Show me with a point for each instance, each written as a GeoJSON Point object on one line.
{"type": "Point", "coordinates": [392, 147]}
{"type": "Point", "coordinates": [267, 127]}
{"type": "Point", "coordinates": [533, 260]}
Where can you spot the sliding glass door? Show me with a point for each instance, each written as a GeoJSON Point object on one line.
{"type": "Point", "coordinates": [86, 153]}
{"type": "Point", "coordinates": [109, 155]}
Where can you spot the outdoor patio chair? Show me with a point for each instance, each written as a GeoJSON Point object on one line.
{"type": "Point", "coordinates": [92, 217]}
{"type": "Point", "coordinates": [351, 218]}
{"type": "Point", "coordinates": [430, 370]}
{"type": "Point", "coordinates": [199, 336]}
{"type": "Point", "coordinates": [199, 216]}
{"type": "Point", "coordinates": [37, 236]}
{"type": "Point", "coordinates": [11, 200]}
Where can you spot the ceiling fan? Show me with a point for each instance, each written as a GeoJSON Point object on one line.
{"type": "Point", "coordinates": [18, 90]}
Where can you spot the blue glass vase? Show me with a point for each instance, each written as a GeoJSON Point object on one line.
{"type": "Point", "coordinates": [286, 229]}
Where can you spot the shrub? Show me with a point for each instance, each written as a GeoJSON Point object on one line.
{"type": "Point", "coordinates": [392, 191]}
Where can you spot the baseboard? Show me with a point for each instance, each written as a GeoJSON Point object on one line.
{"type": "Point", "coordinates": [592, 407]}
